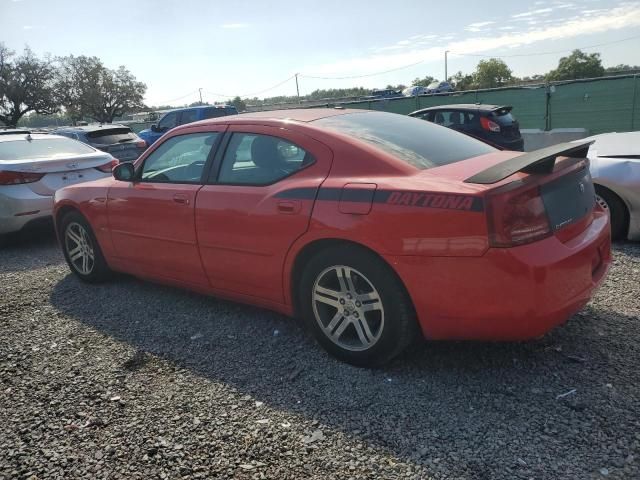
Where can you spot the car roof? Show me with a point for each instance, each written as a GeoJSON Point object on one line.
{"type": "Point", "coordinates": [482, 107]}
{"type": "Point", "coordinates": [21, 136]}
{"type": "Point", "coordinates": [90, 128]}
{"type": "Point", "coordinates": [304, 115]}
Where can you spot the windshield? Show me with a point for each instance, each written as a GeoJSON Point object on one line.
{"type": "Point", "coordinates": [416, 142]}
{"type": "Point", "coordinates": [434, 85]}
{"type": "Point", "coordinates": [42, 148]}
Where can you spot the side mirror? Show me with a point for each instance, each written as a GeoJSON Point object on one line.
{"type": "Point", "coordinates": [124, 172]}
{"type": "Point", "coordinates": [154, 128]}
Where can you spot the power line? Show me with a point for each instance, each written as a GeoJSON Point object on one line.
{"type": "Point", "coordinates": [245, 95]}
{"type": "Point", "coordinates": [178, 98]}
{"type": "Point", "coordinates": [467, 55]}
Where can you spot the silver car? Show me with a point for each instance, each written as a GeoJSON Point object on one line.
{"type": "Point", "coordinates": [615, 168]}
{"type": "Point", "coordinates": [34, 166]}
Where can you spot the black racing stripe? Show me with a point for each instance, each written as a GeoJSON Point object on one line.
{"type": "Point", "coordinates": [405, 198]}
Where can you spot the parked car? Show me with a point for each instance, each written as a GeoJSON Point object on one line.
{"type": "Point", "coordinates": [372, 227]}
{"type": "Point", "coordinates": [34, 166]}
{"type": "Point", "coordinates": [386, 93]}
{"type": "Point", "coordinates": [13, 131]}
{"type": "Point", "coordinates": [118, 140]}
{"type": "Point", "coordinates": [492, 124]}
{"type": "Point", "coordinates": [414, 91]}
{"type": "Point", "coordinates": [615, 168]}
{"type": "Point", "coordinates": [439, 87]}
{"type": "Point", "coordinates": [182, 116]}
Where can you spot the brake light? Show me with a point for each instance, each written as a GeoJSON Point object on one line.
{"type": "Point", "coordinates": [141, 144]}
{"type": "Point", "coordinates": [489, 125]}
{"type": "Point", "coordinates": [107, 167]}
{"type": "Point", "coordinates": [517, 217]}
{"type": "Point", "coordinates": [17, 178]}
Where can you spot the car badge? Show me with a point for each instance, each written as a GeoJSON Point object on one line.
{"type": "Point", "coordinates": [581, 187]}
{"type": "Point", "coordinates": [72, 165]}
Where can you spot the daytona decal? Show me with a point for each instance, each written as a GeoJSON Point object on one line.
{"type": "Point", "coordinates": [446, 201]}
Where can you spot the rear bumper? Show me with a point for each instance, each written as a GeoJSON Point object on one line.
{"type": "Point", "coordinates": [507, 294]}
{"type": "Point", "coordinates": [19, 206]}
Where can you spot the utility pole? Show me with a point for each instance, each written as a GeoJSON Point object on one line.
{"type": "Point", "coordinates": [446, 52]}
{"type": "Point", "coordinates": [200, 90]}
{"type": "Point", "coordinates": [297, 88]}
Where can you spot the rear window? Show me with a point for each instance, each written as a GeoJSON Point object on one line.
{"type": "Point", "coordinates": [414, 141]}
{"type": "Point", "coordinates": [109, 136]}
{"type": "Point", "coordinates": [503, 116]}
{"type": "Point", "coordinates": [42, 148]}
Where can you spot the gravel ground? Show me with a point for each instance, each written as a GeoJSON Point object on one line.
{"type": "Point", "coordinates": [134, 380]}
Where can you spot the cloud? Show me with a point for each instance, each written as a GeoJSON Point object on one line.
{"type": "Point", "coordinates": [625, 16]}
{"type": "Point", "coordinates": [235, 25]}
{"type": "Point", "coordinates": [532, 13]}
{"type": "Point", "coordinates": [28, 27]}
{"type": "Point", "coordinates": [477, 26]}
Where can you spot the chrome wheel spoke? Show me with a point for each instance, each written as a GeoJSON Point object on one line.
{"type": "Point", "coordinates": [79, 248]}
{"type": "Point", "coordinates": [337, 305]}
{"type": "Point", "coordinates": [74, 236]}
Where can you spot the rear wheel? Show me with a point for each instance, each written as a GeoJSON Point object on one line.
{"type": "Point", "coordinates": [356, 307]}
{"type": "Point", "coordinates": [610, 202]}
{"type": "Point", "coordinates": [81, 249]}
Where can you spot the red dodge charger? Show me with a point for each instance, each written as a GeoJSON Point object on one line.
{"type": "Point", "coordinates": [372, 227]}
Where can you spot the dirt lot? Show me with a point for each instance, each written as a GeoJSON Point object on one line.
{"type": "Point", "coordinates": [135, 380]}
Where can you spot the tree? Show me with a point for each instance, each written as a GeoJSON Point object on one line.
{"type": "Point", "coordinates": [422, 82]}
{"type": "Point", "coordinates": [577, 65]}
{"type": "Point", "coordinates": [26, 85]}
{"type": "Point", "coordinates": [240, 105]}
{"type": "Point", "coordinates": [462, 81]}
{"type": "Point", "coordinates": [88, 88]}
{"type": "Point", "coordinates": [492, 73]}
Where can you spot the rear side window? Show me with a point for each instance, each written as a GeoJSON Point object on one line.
{"type": "Point", "coordinates": [414, 141]}
{"type": "Point", "coordinates": [42, 148]}
{"type": "Point", "coordinates": [253, 159]}
{"type": "Point", "coordinates": [214, 112]}
{"type": "Point", "coordinates": [109, 136]}
{"type": "Point", "coordinates": [188, 116]}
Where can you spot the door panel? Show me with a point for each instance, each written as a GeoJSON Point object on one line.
{"type": "Point", "coordinates": [152, 220]}
{"type": "Point", "coordinates": [245, 231]}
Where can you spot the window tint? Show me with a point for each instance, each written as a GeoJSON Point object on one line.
{"type": "Point", "coordinates": [503, 117]}
{"type": "Point", "coordinates": [180, 159]}
{"type": "Point", "coordinates": [411, 140]}
{"type": "Point", "coordinates": [42, 148]}
{"type": "Point", "coordinates": [214, 112]}
{"type": "Point", "coordinates": [170, 120]}
{"type": "Point", "coordinates": [253, 159]}
{"type": "Point", "coordinates": [110, 136]}
{"type": "Point", "coordinates": [188, 116]}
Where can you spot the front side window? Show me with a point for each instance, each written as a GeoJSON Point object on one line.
{"type": "Point", "coordinates": [253, 159]}
{"type": "Point", "coordinates": [170, 120]}
{"type": "Point", "coordinates": [411, 140]}
{"type": "Point", "coordinates": [180, 159]}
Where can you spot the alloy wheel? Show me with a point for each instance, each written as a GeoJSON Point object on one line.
{"type": "Point", "coordinates": [601, 201]}
{"type": "Point", "coordinates": [348, 308]}
{"type": "Point", "coordinates": [79, 248]}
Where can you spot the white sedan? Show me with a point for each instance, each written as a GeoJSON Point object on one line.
{"type": "Point", "coordinates": [615, 168]}
{"type": "Point", "coordinates": [34, 166]}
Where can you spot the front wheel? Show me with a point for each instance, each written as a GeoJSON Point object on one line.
{"type": "Point", "coordinates": [81, 249]}
{"type": "Point", "coordinates": [356, 306]}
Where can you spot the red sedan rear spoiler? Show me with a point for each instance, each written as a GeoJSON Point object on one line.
{"type": "Point", "coordinates": [538, 161]}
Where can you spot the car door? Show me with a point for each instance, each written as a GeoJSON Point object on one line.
{"type": "Point", "coordinates": [152, 218]}
{"type": "Point", "coordinates": [257, 203]}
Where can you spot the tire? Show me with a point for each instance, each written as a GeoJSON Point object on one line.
{"type": "Point", "coordinates": [79, 245]}
{"type": "Point", "coordinates": [617, 212]}
{"type": "Point", "coordinates": [366, 321]}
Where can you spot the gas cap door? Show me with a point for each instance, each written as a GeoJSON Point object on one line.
{"type": "Point", "coordinates": [357, 198]}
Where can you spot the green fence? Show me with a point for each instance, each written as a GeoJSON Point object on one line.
{"type": "Point", "coordinates": [599, 105]}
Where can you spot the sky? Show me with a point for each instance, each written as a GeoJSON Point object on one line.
{"type": "Point", "coordinates": [253, 48]}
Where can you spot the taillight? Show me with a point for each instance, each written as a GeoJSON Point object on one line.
{"type": "Point", "coordinates": [107, 167]}
{"type": "Point", "coordinates": [141, 144]}
{"type": "Point", "coordinates": [16, 178]}
{"type": "Point", "coordinates": [517, 217]}
{"type": "Point", "coordinates": [489, 125]}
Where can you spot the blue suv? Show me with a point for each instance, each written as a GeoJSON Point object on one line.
{"type": "Point", "coordinates": [184, 115]}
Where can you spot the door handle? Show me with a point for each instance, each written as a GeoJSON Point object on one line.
{"type": "Point", "coordinates": [289, 208]}
{"type": "Point", "coordinates": [181, 198]}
